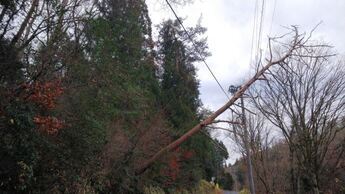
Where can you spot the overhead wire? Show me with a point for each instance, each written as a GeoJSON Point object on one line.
{"type": "Point", "coordinates": [259, 36]}
{"type": "Point", "coordinates": [196, 48]}
{"type": "Point", "coordinates": [272, 19]}
{"type": "Point", "coordinates": [254, 36]}
{"type": "Point", "coordinates": [273, 15]}
{"type": "Point", "coordinates": [254, 30]}
{"type": "Point", "coordinates": [202, 58]}
{"type": "Point", "coordinates": [213, 141]}
{"type": "Point", "coordinates": [261, 24]}
{"type": "Point", "coordinates": [256, 33]}
{"type": "Point", "coordinates": [270, 26]}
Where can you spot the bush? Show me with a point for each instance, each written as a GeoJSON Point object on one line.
{"type": "Point", "coordinates": [244, 191]}
{"type": "Point", "coordinates": [153, 190]}
{"type": "Point", "coordinates": [205, 187]}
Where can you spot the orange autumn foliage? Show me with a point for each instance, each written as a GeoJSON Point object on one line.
{"type": "Point", "coordinates": [45, 94]}
{"type": "Point", "coordinates": [174, 165]}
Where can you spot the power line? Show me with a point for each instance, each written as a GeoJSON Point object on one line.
{"type": "Point", "coordinates": [213, 141]}
{"type": "Point", "coordinates": [261, 21]}
{"type": "Point", "coordinates": [271, 24]}
{"type": "Point", "coordinates": [260, 31]}
{"type": "Point", "coordinates": [273, 15]}
{"type": "Point", "coordinates": [254, 30]}
{"type": "Point", "coordinates": [196, 48]}
{"type": "Point", "coordinates": [201, 57]}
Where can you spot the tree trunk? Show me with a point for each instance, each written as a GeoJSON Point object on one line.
{"type": "Point", "coordinates": [315, 184]}
{"type": "Point", "coordinates": [24, 23]}
{"type": "Point", "coordinates": [294, 179]}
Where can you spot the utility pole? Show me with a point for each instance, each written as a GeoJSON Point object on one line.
{"type": "Point", "coordinates": [234, 89]}
{"type": "Point", "coordinates": [247, 150]}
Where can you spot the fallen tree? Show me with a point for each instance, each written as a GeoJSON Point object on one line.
{"type": "Point", "coordinates": [297, 41]}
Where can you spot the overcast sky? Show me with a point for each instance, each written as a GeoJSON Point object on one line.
{"type": "Point", "coordinates": [230, 28]}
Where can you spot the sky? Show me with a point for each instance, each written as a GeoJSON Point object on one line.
{"type": "Point", "coordinates": [230, 25]}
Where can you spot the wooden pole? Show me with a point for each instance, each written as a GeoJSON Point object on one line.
{"type": "Point", "coordinates": [247, 149]}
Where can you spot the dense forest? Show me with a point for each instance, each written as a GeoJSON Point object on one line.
{"type": "Point", "coordinates": [87, 95]}
{"type": "Point", "coordinates": [92, 102]}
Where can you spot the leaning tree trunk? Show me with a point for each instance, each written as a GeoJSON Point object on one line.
{"type": "Point", "coordinates": [295, 44]}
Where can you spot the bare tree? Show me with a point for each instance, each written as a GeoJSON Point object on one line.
{"type": "Point", "coordinates": [249, 141]}
{"type": "Point", "coordinates": [304, 97]}
{"type": "Point", "coordinates": [38, 31]}
{"type": "Point", "coordinates": [241, 136]}
{"type": "Point", "coordinates": [255, 138]}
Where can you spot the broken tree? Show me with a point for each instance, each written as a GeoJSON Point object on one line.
{"type": "Point", "coordinates": [291, 46]}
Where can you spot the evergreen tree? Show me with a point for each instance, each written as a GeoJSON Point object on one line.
{"type": "Point", "coordinates": [121, 85]}
{"type": "Point", "coordinates": [180, 99]}
{"type": "Point", "coordinates": [180, 94]}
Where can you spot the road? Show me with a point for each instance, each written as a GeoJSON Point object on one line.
{"type": "Point", "coordinates": [230, 192]}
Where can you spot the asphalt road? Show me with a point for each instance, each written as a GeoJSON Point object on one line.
{"type": "Point", "coordinates": [230, 192]}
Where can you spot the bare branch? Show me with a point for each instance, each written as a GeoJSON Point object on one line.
{"type": "Point", "coordinates": [225, 121]}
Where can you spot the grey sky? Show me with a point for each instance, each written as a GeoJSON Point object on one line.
{"type": "Point", "coordinates": [230, 27]}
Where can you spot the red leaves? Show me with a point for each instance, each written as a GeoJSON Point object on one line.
{"type": "Point", "coordinates": [174, 165]}
{"type": "Point", "coordinates": [45, 94]}
{"type": "Point", "coordinates": [48, 124]}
